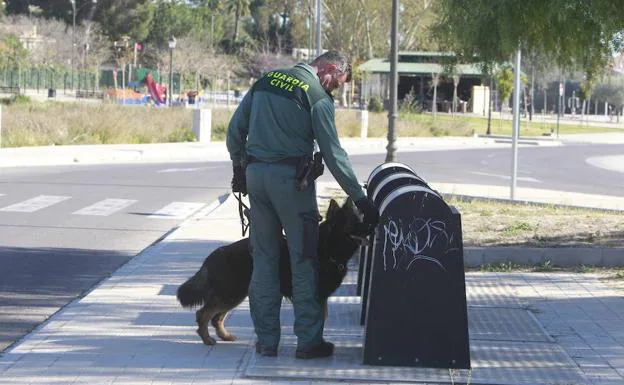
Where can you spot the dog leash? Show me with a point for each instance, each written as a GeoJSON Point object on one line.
{"type": "Point", "coordinates": [243, 212]}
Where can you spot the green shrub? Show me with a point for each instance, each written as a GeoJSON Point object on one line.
{"type": "Point", "coordinates": [375, 104]}
{"type": "Point", "coordinates": [437, 131]}
{"type": "Point", "coordinates": [410, 104]}
{"type": "Point", "coordinates": [15, 99]}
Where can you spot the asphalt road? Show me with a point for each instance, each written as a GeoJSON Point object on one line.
{"type": "Point", "coordinates": [65, 228]}
{"type": "Point", "coordinates": [564, 168]}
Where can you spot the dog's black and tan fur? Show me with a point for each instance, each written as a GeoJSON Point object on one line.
{"type": "Point", "coordinates": [222, 282]}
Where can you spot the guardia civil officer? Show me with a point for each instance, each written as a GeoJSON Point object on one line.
{"type": "Point", "coordinates": [271, 141]}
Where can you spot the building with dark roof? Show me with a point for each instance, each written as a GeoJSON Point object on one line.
{"type": "Point", "coordinates": [416, 70]}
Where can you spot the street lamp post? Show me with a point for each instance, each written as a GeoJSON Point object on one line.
{"type": "Point", "coordinates": [73, 61]}
{"type": "Point", "coordinates": [394, 84]}
{"type": "Point", "coordinates": [172, 45]}
{"type": "Point", "coordinates": [319, 22]}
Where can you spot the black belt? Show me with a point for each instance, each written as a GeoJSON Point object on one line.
{"type": "Point", "coordinates": [292, 161]}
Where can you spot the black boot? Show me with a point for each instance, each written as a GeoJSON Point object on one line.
{"type": "Point", "coordinates": [266, 351]}
{"type": "Point", "coordinates": [323, 349]}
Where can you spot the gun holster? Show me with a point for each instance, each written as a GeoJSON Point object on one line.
{"type": "Point", "coordinates": [309, 169]}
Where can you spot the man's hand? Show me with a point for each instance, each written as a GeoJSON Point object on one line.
{"type": "Point", "coordinates": [239, 181]}
{"type": "Point", "coordinates": [371, 214]}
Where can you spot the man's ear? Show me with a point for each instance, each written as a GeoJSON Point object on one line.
{"type": "Point", "coordinates": [332, 209]}
{"type": "Point", "coordinates": [331, 68]}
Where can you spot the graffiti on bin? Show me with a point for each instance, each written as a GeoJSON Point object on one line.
{"type": "Point", "coordinates": [406, 243]}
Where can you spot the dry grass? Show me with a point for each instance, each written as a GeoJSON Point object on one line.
{"type": "Point", "coordinates": [54, 123]}
{"type": "Point", "coordinates": [348, 125]}
{"type": "Point", "coordinates": [35, 123]}
{"type": "Point", "coordinates": [495, 223]}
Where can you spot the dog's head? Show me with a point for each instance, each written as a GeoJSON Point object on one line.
{"type": "Point", "coordinates": [339, 231]}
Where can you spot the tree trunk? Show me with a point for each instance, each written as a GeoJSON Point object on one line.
{"type": "Point", "coordinates": [489, 121]}
{"type": "Point", "coordinates": [369, 43]}
{"type": "Point", "coordinates": [434, 106]}
{"type": "Point", "coordinates": [236, 22]}
{"type": "Point", "coordinates": [455, 84]}
{"type": "Point", "coordinates": [532, 96]}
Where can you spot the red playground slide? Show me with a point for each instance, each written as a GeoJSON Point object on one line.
{"type": "Point", "coordinates": [156, 91]}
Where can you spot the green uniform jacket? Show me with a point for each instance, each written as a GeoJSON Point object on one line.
{"type": "Point", "coordinates": [280, 117]}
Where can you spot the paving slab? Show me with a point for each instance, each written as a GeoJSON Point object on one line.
{"type": "Point", "coordinates": [507, 344]}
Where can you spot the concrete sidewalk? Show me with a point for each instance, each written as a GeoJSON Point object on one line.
{"type": "Point", "coordinates": [525, 328]}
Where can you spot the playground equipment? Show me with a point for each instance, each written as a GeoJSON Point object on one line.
{"type": "Point", "coordinates": [157, 92]}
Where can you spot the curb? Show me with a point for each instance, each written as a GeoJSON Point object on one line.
{"type": "Point", "coordinates": [555, 256]}
{"type": "Point", "coordinates": [528, 140]}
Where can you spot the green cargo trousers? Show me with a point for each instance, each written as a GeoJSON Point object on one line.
{"type": "Point", "coordinates": [276, 203]}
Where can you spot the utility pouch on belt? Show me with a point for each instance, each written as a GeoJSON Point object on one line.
{"type": "Point", "coordinates": [309, 169]}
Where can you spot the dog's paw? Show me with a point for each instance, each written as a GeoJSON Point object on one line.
{"type": "Point", "coordinates": [207, 340]}
{"type": "Point", "coordinates": [228, 337]}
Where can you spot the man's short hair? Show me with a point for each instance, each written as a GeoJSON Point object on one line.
{"type": "Point", "coordinates": [337, 58]}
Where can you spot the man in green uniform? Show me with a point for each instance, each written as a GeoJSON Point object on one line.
{"type": "Point", "coordinates": [272, 130]}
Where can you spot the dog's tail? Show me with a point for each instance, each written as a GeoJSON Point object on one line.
{"type": "Point", "coordinates": [191, 293]}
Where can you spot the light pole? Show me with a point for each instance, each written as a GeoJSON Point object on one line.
{"type": "Point", "coordinates": [319, 21]}
{"type": "Point", "coordinates": [394, 84]}
{"type": "Point", "coordinates": [73, 61]}
{"type": "Point", "coordinates": [172, 45]}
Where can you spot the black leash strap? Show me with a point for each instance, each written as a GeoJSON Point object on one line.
{"type": "Point", "coordinates": [243, 212]}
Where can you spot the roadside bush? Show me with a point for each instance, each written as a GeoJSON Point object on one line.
{"type": "Point", "coordinates": [410, 104]}
{"type": "Point", "coordinates": [437, 131]}
{"type": "Point", "coordinates": [16, 99]}
{"type": "Point", "coordinates": [375, 104]}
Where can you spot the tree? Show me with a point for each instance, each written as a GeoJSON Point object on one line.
{"type": "Point", "coordinates": [504, 85]}
{"type": "Point", "coordinates": [258, 63]}
{"type": "Point", "coordinates": [13, 54]}
{"type": "Point", "coordinates": [170, 18]}
{"type": "Point", "coordinates": [435, 81]}
{"type": "Point", "coordinates": [575, 33]}
{"type": "Point", "coordinates": [612, 92]}
{"type": "Point", "coordinates": [240, 9]}
{"type": "Point", "coordinates": [131, 18]}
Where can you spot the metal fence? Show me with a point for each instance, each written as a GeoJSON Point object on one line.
{"type": "Point", "coordinates": [64, 79]}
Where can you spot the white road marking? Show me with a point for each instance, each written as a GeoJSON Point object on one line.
{"type": "Point", "coordinates": [177, 210]}
{"type": "Point", "coordinates": [611, 162]}
{"type": "Point", "coordinates": [521, 178]}
{"type": "Point", "coordinates": [485, 162]}
{"type": "Point", "coordinates": [35, 204]}
{"type": "Point", "coordinates": [188, 169]}
{"type": "Point", "coordinates": [105, 207]}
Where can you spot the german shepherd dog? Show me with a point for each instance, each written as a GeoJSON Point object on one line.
{"type": "Point", "coordinates": [222, 282]}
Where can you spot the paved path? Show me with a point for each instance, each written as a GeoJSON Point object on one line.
{"type": "Point", "coordinates": [525, 328]}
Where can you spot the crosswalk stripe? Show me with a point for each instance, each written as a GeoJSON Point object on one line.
{"type": "Point", "coordinates": [177, 210]}
{"type": "Point", "coordinates": [105, 207]}
{"type": "Point", "coordinates": [34, 204]}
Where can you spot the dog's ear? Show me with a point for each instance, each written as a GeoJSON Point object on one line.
{"type": "Point", "coordinates": [332, 209]}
